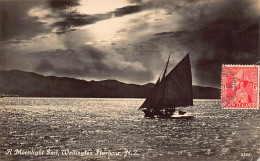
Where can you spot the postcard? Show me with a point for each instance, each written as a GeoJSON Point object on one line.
{"type": "Point", "coordinates": [143, 80]}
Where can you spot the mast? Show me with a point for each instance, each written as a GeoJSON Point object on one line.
{"type": "Point", "coordinates": [165, 70]}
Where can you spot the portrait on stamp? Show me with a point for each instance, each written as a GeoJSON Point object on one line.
{"type": "Point", "coordinates": [240, 86]}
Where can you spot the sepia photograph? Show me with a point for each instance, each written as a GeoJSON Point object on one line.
{"type": "Point", "coordinates": [129, 80]}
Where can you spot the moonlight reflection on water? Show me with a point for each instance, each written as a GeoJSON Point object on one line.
{"type": "Point", "coordinates": [114, 129]}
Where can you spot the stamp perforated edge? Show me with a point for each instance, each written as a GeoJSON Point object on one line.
{"type": "Point", "coordinates": [240, 65]}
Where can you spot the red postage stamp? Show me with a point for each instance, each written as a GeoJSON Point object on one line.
{"type": "Point", "coordinates": [240, 86]}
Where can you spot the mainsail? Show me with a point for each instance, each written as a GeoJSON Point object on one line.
{"type": "Point", "coordinates": [173, 90]}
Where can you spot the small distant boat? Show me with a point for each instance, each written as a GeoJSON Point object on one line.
{"type": "Point", "coordinates": [171, 91]}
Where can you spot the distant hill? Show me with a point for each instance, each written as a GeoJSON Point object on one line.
{"type": "Point", "coordinates": [28, 84]}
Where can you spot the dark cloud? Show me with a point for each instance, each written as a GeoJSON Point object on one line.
{"type": "Point", "coordinates": [98, 71]}
{"type": "Point", "coordinates": [171, 34]}
{"type": "Point", "coordinates": [15, 22]}
{"type": "Point", "coordinates": [67, 11]}
{"type": "Point", "coordinates": [227, 34]}
{"type": "Point", "coordinates": [75, 19]}
{"type": "Point", "coordinates": [214, 31]}
{"type": "Point", "coordinates": [135, 1]}
{"type": "Point", "coordinates": [44, 66]}
{"type": "Point", "coordinates": [63, 4]}
{"type": "Point", "coordinates": [64, 31]}
{"type": "Point", "coordinates": [87, 62]}
{"type": "Point", "coordinates": [127, 10]}
{"type": "Point", "coordinates": [84, 63]}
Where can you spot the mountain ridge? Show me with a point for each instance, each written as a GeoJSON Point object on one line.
{"type": "Point", "coordinates": [30, 84]}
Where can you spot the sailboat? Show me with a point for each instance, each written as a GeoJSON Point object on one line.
{"type": "Point", "coordinates": [170, 91]}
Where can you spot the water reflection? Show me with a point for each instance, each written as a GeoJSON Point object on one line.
{"type": "Point", "coordinates": [115, 125]}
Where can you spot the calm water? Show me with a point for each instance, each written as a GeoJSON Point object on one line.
{"type": "Point", "coordinates": [113, 129]}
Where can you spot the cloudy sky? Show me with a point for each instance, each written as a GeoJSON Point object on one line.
{"type": "Point", "coordinates": [127, 40]}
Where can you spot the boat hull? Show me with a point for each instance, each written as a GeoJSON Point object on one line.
{"type": "Point", "coordinates": [160, 114]}
{"type": "Point", "coordinates": [183, 116]}
{"type": "Point", "coordinates": [169, 114]}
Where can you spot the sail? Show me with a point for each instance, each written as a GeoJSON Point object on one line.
{"type": "Point", "coordinates": [178, 86]}
{"type": "Point", "coordinates": [161, 89]}
{"type": "Point", "coordinates": [173, 90]}
{"type": "Point", "coordinates": [154, 98]}
{"type": "Point", "coordinates": [149, 102]}
{"type": "Point", "coordinates": [159, 95]}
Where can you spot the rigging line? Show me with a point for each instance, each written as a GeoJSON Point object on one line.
{"type": "Point", "coordinates": [166, 65]}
